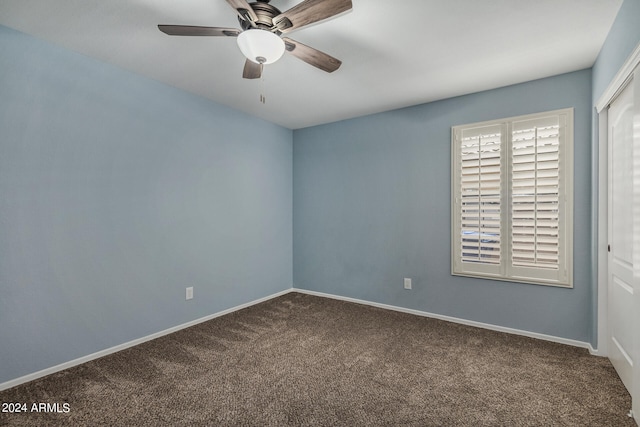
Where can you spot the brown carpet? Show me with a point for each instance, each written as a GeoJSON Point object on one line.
{"type": "Point", "coordinates": [305, 360]}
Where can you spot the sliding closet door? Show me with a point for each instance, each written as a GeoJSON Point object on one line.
{"type": "Point", "coordinates": [621, 292]}
{"type": "Point", "coordinates": [618, 216]}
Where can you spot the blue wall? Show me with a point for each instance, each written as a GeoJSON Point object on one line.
{"type": "Point", "coordinates": [372, 205]}
{"type": "Point", "coordinates": [623, 37]}
{"type": "Point", "coordinates": [116, 193]}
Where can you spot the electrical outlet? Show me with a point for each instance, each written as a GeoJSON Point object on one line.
{"type": "Point", "coordinates": [407, 283]}
{"type": "Point", "coordinates": [189, 292]}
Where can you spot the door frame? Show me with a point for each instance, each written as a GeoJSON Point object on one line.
{"type": "Point", "coordinates": [630, 70]}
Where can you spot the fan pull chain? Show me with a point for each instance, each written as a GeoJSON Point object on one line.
{"type": "Point", "coordinates": [263, 98]}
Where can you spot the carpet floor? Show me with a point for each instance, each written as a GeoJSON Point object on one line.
{"type": "Point", "coordinates": [305, 360]}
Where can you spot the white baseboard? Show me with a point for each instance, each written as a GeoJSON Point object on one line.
{"type": "Point", "coordinates": [105, 352]}
{"type": "Point", "coordinates": [595, 351]}
{"type": "Point", "coordinates": [489, 326]}
{"type": "Point", "coordinates": [102, 353]}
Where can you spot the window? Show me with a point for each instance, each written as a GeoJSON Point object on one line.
{"type": "Point", "coordinates": [512, 199]}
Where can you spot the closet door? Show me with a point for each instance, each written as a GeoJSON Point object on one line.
{"type": "Point", "coordinates": [621, 231]}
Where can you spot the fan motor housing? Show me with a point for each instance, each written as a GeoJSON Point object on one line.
{"type": "Point", "coordinates": [265, 13]}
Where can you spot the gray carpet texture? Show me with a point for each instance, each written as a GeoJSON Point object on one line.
{"type": "Point", "coordinates": [305, 360]}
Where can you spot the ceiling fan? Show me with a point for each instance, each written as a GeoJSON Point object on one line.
{"type": "Point", "coordinates": [262, 26]}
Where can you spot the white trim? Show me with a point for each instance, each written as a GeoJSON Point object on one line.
{"type": "Point", "coordinates": [619, 80]}
{"type": "Point", "coordinates": [70, 364]}
{"type": "Point", "coordinates": [594, 351]}
{"type": "Point", "coordinates": [635, 391]}
{"type": "Point", "coordinates": [473, 323]}
{"type": "Point", "coordinates": [603, 234]}
{"type": "Point", "coordinates": [105, 352]}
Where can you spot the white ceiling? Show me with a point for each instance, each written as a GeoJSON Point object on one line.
{"type": "Point", "coordinates": [394, 53]}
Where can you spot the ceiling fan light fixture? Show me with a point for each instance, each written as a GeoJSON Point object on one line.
{"type": "Point", "coordinates": [261, 46]}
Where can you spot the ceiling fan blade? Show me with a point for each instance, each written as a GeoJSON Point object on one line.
{"type": "Point", "coordinates": [312, 56]}
{"type": "Point", "coordinates": [251, 70]}
{"type": "Point", "coordinates": [244, 10]}
{"type": "Point", "coordinates": [190, 30]}
{"type": "Point", "coordinates": [308, 12]}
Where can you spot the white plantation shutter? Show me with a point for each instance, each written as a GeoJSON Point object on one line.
{"type": "Point", "coordinates": [512, 201]}
{"type": "Point", "coordinates": [480, 237]}
{"type": "Point", "coordinates": [480, 196]}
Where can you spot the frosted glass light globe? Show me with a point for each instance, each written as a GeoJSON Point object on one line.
{"type": "Point", "coordinates": [261, 46]}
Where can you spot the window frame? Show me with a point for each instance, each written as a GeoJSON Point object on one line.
{"type": "Point", "coordinates": [505, 270]}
